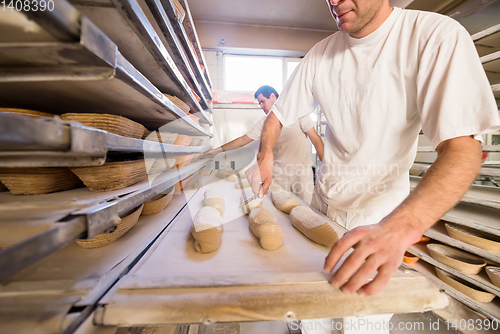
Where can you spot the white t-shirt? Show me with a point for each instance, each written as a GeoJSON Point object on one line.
{"type": "Point", "coordinates": [418, 70]}
{"type": "Point", "coordinates": [292, 150]}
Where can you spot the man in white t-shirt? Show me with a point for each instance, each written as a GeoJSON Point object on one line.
{"type": "Point", "coordinates": [292, 162]}
{"type": "Point", "coordinates": [385, 75]}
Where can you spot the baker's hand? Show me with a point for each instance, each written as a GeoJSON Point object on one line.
{"type": "Point", "coordinates": [377, 247]}
{"type": "Point", "coordinates": [261, 173]}
{"type": "Point", "coordinates": [212, 153]}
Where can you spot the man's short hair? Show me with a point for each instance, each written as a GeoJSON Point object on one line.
{"type": "Point", "coordinates": [266, 91]}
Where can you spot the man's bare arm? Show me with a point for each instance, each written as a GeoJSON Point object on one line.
{"type": "Point", "coordinates": [317, 142]}
{"type": "Point", "coordinates": [262, 171]}
{"type": "Point", "coordinates": [234, 144]}
{"type": "Point", "coordinates": [381, 247]}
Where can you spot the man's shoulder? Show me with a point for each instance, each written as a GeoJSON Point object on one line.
{"type": "Point", "coordinates": [429, 22]}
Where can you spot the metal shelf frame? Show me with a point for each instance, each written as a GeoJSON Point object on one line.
{"type": "Point", "coordinates": [166, 6]}
{"type": "Point", "coordinates": [438, 232]}
{"type": "Point", "coordinates": [485, 171]}
{"type": "Point", "coordinates": [28, 142]}
{"type": "Point", "coordinates": [480, 280]}
{"type": "Point", "coordinates": [193, 37]}
{"type": "Point", "coordinates": [85, 77]}
{"type": "Point", "coordinates": [183, 57]}
{"type": "Point", "coordinates": [477, 194]}
{"type": "Point", "coordinates": [489, 310]}
{"type": "Point", "coordinates": [127, 25]}
{"type": "Point", "coordinates": [486, 148]}
{"type": "Point", "coordinates": [88, 222]}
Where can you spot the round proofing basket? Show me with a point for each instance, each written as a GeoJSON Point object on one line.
{"type": "Point", "coordinates": [158, 203]}
{"type": "Point", "coordinates": [36, 181]}
{"type": "Point", "coordinates": [112, 175]}
{"type": "Point", "coordinates": [111, 123]}
{"type": "Point", "coordinates": [465, 287]}
{"type": "Point", "coordinates": [494, 275]}
{"type": "Point", "coordinates": [480, 239]}
{"type": "Point", "coordinates": [26, 112]}
{"type": "Point", "coordinates": [127, 222]}
{"type": "Point", "coordinates": [457, 259]}
{"type": "Point", "coordinates": [179, 103]}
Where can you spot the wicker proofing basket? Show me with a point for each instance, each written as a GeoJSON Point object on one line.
{"type": "Point", "coordinates": [112, 175]}
{"type": "Point", "coordinates": [36, 181]}
{"type": "Point", "coordinates": [480, 239]}
{"type": "Point", "coordinates": [494, 275]}
{"type": "Point", "coordinates": [111, 123]}
{"type": "Point", "coordinates": [128, 221]}
{"type": "Point", "coordinates": [26, 112]}
{"type": "Point", "coordinates": [181, 13]}
{"type": "Point", "coordinates": [178, 103]}
{"type": "Point", "coordinates": [157, 204]}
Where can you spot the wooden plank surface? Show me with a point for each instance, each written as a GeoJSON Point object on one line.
{"type": "Point", "coordinates": [243, 282]}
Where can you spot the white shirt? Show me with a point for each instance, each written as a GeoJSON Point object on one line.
{"type": "Point", "coordinates": [292, 150]}
{"type": "Point", "coordinates": [418, 70]}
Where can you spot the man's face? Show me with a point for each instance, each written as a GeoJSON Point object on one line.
{"type": "Point", "coordinates": [353, 15]}
{"type": "Point", "coordinates": [266, 103]}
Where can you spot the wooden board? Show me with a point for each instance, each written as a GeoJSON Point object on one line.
{"type": "Point", "coordinates": [242, 282]}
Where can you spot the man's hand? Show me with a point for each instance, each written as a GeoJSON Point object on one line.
{"type": "Point", "coordinates": [261, 173]}
{"type": "Point", "coordinates": [377, 247]}
{"type": "Point", "coordinates": [212, 153]}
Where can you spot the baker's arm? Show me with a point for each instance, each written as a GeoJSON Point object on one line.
{"type": "Point", "coordinates": [317, 142]}
{"type": "Point", "coordinates": [262, 171]}
{"type": "Point", "coordinates": [381, 247]}
{"type": "Point", "coordinates": [232, 145]}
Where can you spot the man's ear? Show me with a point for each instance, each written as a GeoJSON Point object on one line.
{"type": "Point", "coordinates": [272, 94]}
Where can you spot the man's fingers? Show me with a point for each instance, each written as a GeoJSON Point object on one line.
{"type": "Point", "coordinates": [340, 247]}
{"type": "Point", "coordinates": [353, 262]}
{"type": "Point", "coordinates": [266, 185]}
{"type": "Point", "coordinates": [383, 277]}
{"type": "Point", "coordinates": [362, 275]}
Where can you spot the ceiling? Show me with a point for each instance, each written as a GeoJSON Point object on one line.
{"type": "Point", "coordinates": [302, 14]}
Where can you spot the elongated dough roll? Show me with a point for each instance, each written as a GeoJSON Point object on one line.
{"type": "Point", "coordinates": [265, 227]}
{"type": "Point", "coordinates": [207, 230]}
{"type": "Point", "coordinates": [284, 201]}
{"type": "Point", "coordinates": [244, 183]}
{"type": "Point", "coordinates": [313, 226]}
{"type": "Point", "coordinates": [215, 199]}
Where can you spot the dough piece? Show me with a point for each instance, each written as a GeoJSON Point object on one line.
{"type": "Point", "coordinates": [207, 230]}
{"type": "Point", "coordinates": [313, 226]}
{"type": "Point", "coordinates": [244, 183]}
{"type": "Point", "coordinates": [214, 199]}
{"type": "Point", "coordinates": [256, 203]}
{"type": "Point", "coordinates": [265, 227]}
{"type": "Point", "coordinates": [284, 201]}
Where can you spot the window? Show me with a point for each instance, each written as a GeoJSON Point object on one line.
{"type": "Point", "coordinates": [248, 73]}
